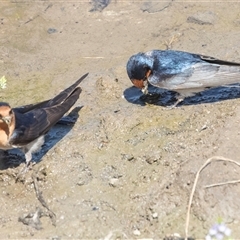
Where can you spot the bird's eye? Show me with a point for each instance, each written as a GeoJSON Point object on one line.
{"type": "Point", "coordinates": [145, 67]}
{"type": "Point", "coordinates": [10, 112]}
{"type": "Point", "coordinates": [0, 116]}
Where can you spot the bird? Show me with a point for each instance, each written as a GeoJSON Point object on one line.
{"type": "Point", "coordinates": [24, 127]}
{"type": "Point", "coordinates": [182, 72]}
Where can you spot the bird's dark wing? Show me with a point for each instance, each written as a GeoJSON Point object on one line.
{"type": "Point", "coordinates": [51, 102]}
{"type": "Point", "coordinates": [29, 107]}
{"type": "Point", "coordinates": [29, 126]}
{"type": "Point", "coordinates": [217, 61]}
{"type": "Point", "coordinates": [37, 122]}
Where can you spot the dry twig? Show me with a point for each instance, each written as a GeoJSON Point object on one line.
{"type": "Point", "coordinates": [221, 184]}
{"type": "Point", "coordinates": [40, 197]}
{"type": "Point", "coordinates": [217, 158]}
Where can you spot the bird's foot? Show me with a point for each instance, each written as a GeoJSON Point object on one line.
{"type": "Point", "coordinates": [175, 104]}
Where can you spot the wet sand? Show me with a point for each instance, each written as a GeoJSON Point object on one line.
{"type": "Point", "coordinates": [126, 168]}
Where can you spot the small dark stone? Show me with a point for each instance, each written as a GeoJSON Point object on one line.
{"type": "Point", "coordinates": [99, 5]}
{"type": "Point", "coordinates": [52, 30]}
{"type": "Point", "coordinates": [153, 7]}
{"type": "Point", "coordinates": [127, 157]}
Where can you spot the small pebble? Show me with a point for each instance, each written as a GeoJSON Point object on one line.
{"type": "Point", "coordinates": [136, 232]}
{"type": "Point", "coordinates": [204, 127]}
{"type": "Point", "coordinates": [202, 18]}
{"type": "Point", "coordinates": [113, 182]}
{"type": "Point", "coordinates": [177, 235]}
{"type": "Point", "coordinates": [155, 215]}
{"type": "Point", "coordinates": [127, 157]}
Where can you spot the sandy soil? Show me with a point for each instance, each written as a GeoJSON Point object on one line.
{"type": "Point", "coordinates": [125, 169]}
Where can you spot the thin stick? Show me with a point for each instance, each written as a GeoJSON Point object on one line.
{"type": "Point", "coordinates": [94, 57]}
{"type": "Point", "coordinates": [217, 158]}
{"type": "Point", "coordinates": [41, 199]}
{"type": "Point", "coordinates": [102, 57]}
{"type": "Point", "coordinates": [222, 183]}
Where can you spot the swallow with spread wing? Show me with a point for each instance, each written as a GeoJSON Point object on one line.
{"type": "Point", "coordinates": [24, 127]}
{"type": "Point", "coordinates": [182, 72]}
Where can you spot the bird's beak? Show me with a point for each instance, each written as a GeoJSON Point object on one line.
{"type": "Point", "coordinates": [7, 120]}
{"type": "Point", "coordinates": [143, 83]}
{"type": "Point", "coordinates": [145, 86]}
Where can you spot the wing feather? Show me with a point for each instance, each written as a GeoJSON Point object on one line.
{"type": "Point", "coordinates": [202, 75]}
{"type": "Point", "coordinates": [51, 102]}
{"type": "Point", "coordinates": [35, 123]}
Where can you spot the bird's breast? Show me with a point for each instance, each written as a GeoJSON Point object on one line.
{"type": "Point", "coordinates": [4, 140]}
{"type": "Point", "coordinates": [5, 133]}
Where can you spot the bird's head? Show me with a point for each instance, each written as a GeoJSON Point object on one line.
{"type": "Point", "coordinates": [6, 113]}
{"type": "Point", "coordinates": [139, 68]}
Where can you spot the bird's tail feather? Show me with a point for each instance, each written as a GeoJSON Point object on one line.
{"type": "Point", "coordinates": [62, 96]}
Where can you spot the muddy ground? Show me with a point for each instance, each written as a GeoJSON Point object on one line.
{"type": "Point", "coordinates": [125, 169]}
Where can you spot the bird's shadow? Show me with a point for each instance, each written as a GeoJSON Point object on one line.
{"type": "Point", "coordinates": [162, 97]}
{"type": "Point", "coordinates": [14, 157]}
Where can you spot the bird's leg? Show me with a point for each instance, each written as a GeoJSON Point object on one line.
{"type": "Point", "coordinates": [28, 157]}
{"type": "Point", "coordinates": [176, 103]}
{"type": "Point", "coordinates": [28, 150]}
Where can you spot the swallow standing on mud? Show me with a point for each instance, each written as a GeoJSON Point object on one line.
{"type": "Point", "coordinates": [182, 72]}
{"type": "Point", "coordinates": [24, 127]}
